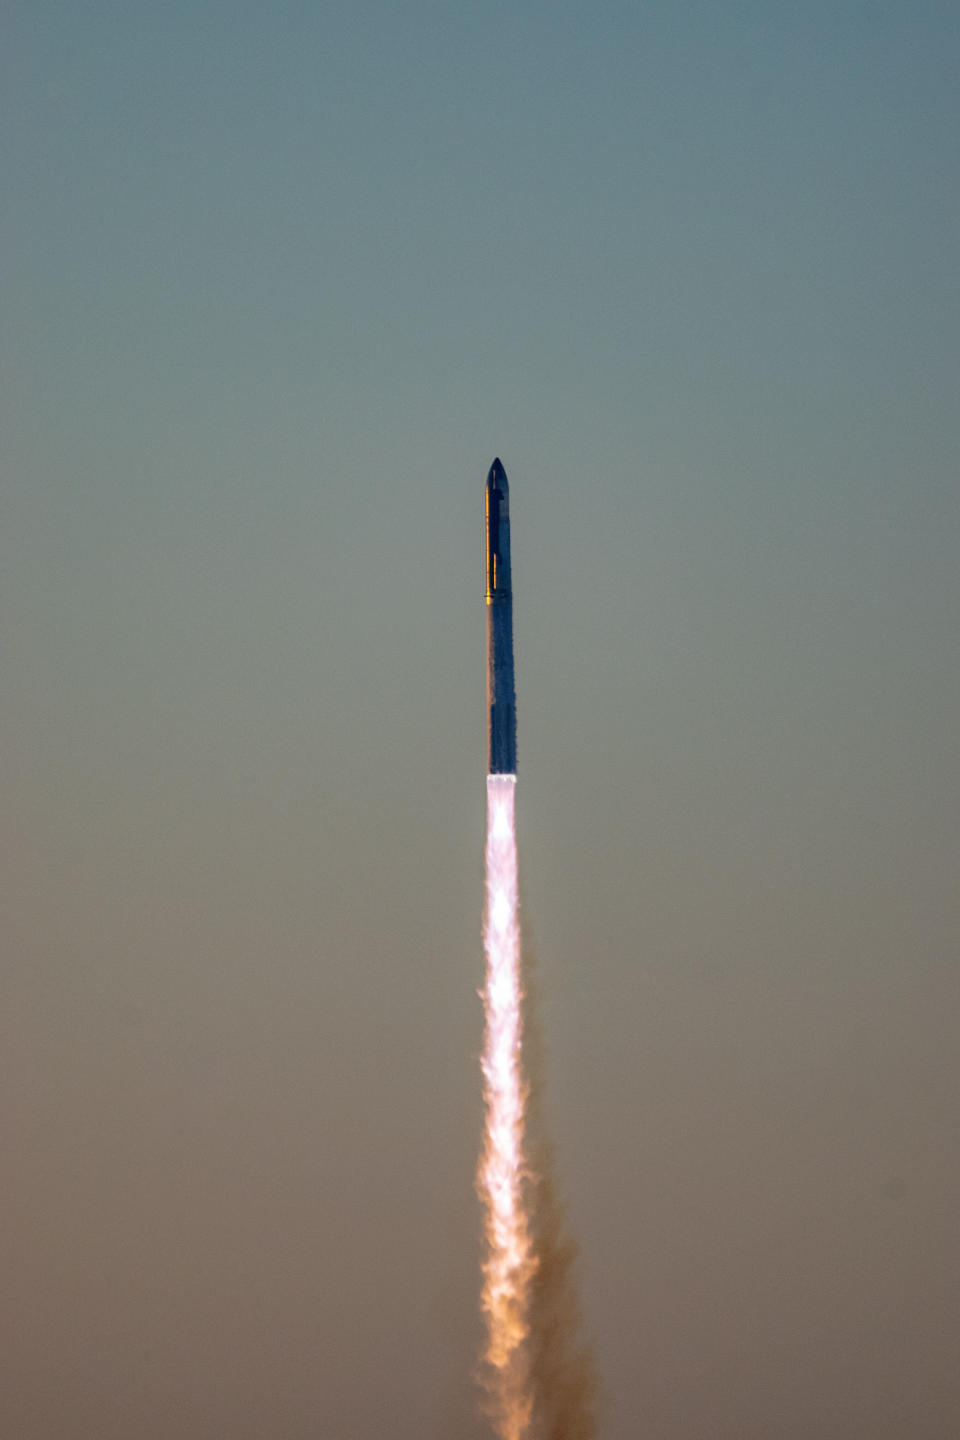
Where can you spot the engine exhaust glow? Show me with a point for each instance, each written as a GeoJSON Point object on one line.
{"type": "Point", "coordinates": [510, 1262]}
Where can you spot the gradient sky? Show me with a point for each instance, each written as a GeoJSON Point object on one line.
{"type": "Point", "coordinates": [278, 282]}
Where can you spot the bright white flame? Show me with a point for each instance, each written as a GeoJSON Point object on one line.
{"type": "Point", "coordinates": [509, 1262]}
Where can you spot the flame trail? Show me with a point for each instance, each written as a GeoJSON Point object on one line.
{"type": "Point", "coordinates": [510, 1262]}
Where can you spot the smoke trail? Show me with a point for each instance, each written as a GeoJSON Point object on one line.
{"type": "Point", "coordinates": [509, 1262]}
{"type": "Point", "coordinates": [540, 1385]}
{"type": "Point", "coordinates": [562, 1376]}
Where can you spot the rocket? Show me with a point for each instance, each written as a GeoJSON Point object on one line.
{"type": "Point", "coordinates": [501, 692]}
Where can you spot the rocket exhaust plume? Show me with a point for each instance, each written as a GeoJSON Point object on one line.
{"type": "Point", "coordinates": [538, 1387]}
{"type": "Point", "coordinates": [509, 1262]}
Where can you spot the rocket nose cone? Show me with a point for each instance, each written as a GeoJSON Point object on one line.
{"type": "Point", "coordinates": [497, 478]}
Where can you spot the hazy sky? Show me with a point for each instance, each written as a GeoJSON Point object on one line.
{"type": "Point", "coordinates": [278, 282]}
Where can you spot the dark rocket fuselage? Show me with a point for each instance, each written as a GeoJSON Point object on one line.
{"type": "Point", "coordinates": [501, 691]}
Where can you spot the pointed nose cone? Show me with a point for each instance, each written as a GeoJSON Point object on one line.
{"type": "Point", "coordinates": [498, 535]}
{"type": "Point", "coordinates": [497, 478]}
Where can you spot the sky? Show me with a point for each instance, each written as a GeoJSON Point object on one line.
{"type": "Point", "coordinates": [278, 282]}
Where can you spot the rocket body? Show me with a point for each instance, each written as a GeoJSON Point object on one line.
{"type": "Point", "coordinates": [501, 691]}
